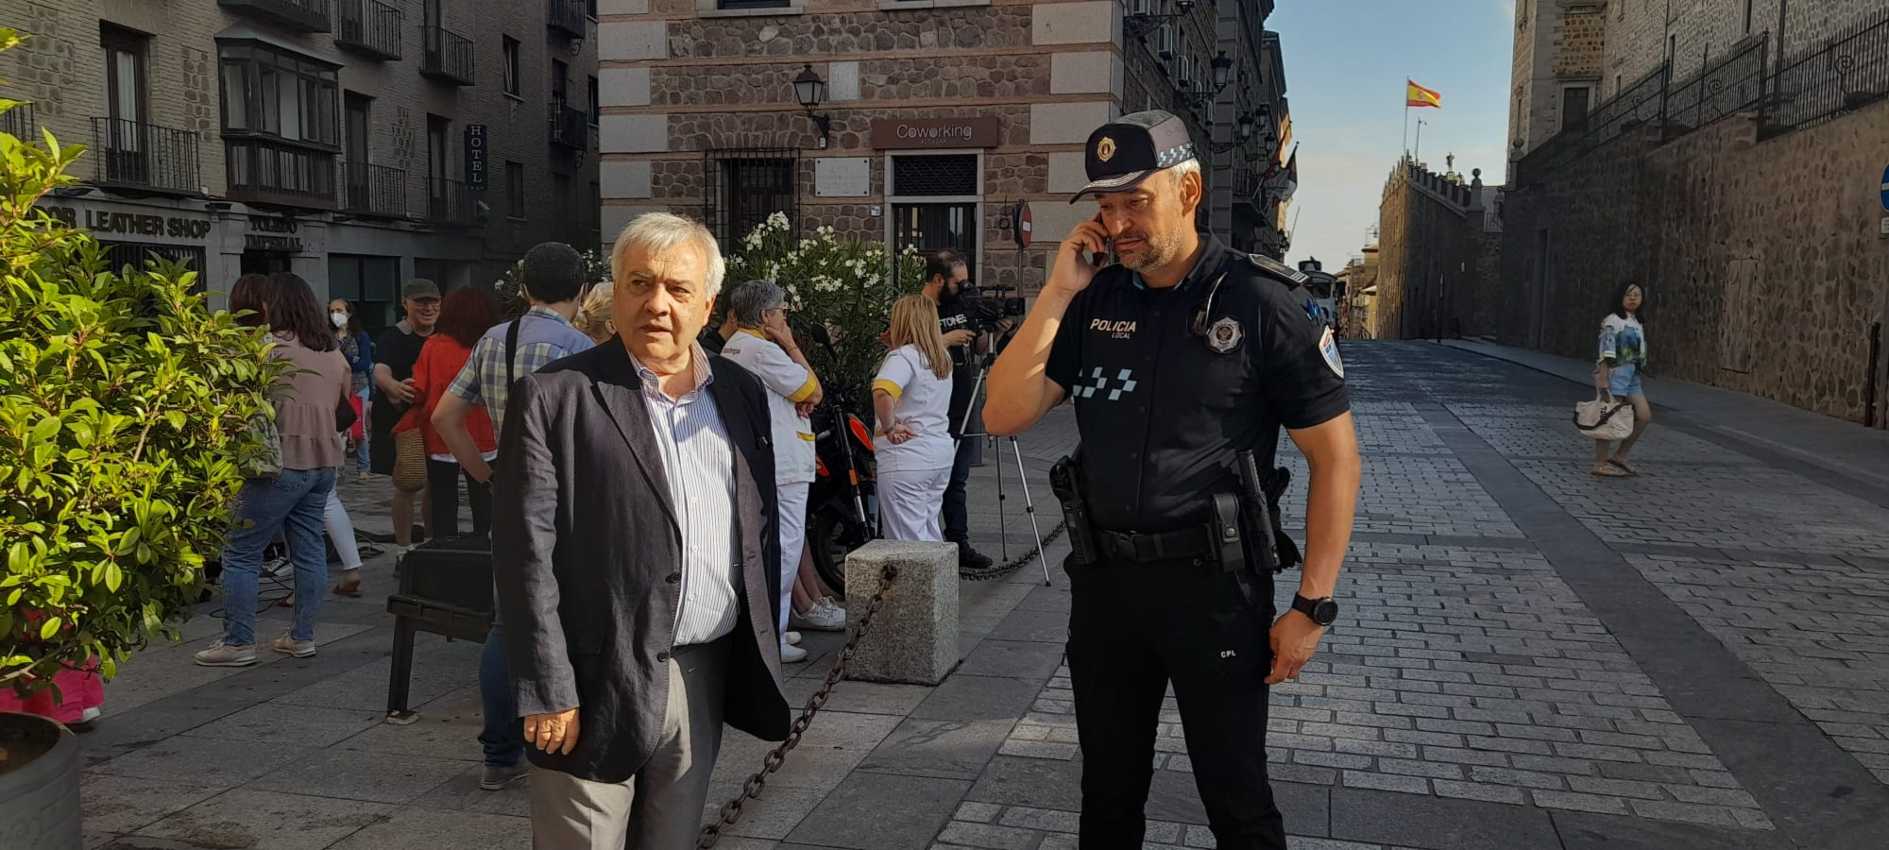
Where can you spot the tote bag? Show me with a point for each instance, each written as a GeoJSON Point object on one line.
{"type": "Point", "coordinates": [1604, 418]}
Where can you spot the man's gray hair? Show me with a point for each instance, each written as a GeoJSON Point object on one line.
{"type": "Point", "coordinates": [750, 301]}
{"type": "Point", "coordinates": [661, 231]}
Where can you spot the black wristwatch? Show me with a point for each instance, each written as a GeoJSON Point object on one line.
{"type": "Point", "coordinates": [1322, 611]}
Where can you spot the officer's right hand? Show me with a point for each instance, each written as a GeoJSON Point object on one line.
{"type": "Point", "coordinates": [1073, 270]}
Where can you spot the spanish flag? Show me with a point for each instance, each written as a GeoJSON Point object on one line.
{"type": "Point", "coordinates": [1416, 95]}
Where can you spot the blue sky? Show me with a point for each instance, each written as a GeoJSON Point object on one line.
{"type": "Point", "coordinates": [1346, 61]}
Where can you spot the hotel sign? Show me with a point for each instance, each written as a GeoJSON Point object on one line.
{"type": "Point", "coordinates": [980, 132]}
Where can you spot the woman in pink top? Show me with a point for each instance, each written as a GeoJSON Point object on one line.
{"type": "Point", "coordinates": [291, 502]}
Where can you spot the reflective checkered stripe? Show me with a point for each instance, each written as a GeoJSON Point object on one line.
{"type": "Point", "coordinates": [1122, 383]}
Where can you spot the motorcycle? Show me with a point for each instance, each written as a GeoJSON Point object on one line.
{"type": "Point", "coordinates": [842, 505]}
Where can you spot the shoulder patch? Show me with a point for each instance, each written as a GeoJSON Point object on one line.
{"type": "Point", "coordinates": [1328, 346]}
{"type": "Point", "coordinates": [1278, 269]}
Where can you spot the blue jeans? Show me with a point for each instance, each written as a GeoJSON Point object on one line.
{"type": "Point", "coordinates": [503, 736]}
{"type": "Point", "coordinates": [290, 503]}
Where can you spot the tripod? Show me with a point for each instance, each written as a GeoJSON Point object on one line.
{"type": "Point", "coordinates": [1029, 503]}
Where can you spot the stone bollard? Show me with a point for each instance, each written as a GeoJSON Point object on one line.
{"type": "Point", "coordinates": [914, 637]}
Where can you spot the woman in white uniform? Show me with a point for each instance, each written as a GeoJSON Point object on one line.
{"type": "Point", "coordinates": [763, 345]}
{"type": "Point", "coordinates": [911, 399]}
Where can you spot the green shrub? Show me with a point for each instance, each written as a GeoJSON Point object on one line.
{"type": "Point", "coordinates": [847, 285]}
{"type": "Point", "coordinates": [124, 405]}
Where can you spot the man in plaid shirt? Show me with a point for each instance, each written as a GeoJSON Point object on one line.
{"type": "Point", "coordinates": [554, 278]}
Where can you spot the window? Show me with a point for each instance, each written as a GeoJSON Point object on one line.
{"type": "Point", "coordinates": [356, 127]}
{"type": "Point", "coordinates": [515, 190]}
{"type": "Point", "coordinates": [1574, 107]}
{"type": "Point", "coordinates": [369, 283]}
{"type": "Point", "coordinates": [125, 52]}
{"type": "Point", "coordinates": [436, 152]}
{"type": "Point", "coordinates": [596, 102]}
{"type": "Point", "coordinates": [511, 66]}
{"type": "Point", "coordinates": [271, 92]}
{"type": "Point", "coordinates": [560, 82]}
{"type": "Point", "coordinates": [745, 186]}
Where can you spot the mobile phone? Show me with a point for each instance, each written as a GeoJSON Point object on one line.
{"type": "Point", "coordinates": [1102, 258]}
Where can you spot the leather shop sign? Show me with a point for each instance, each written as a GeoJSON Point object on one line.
{"type": "Point", "coordinates": [980, 132]}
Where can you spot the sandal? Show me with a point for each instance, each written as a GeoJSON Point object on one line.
{"type": "Point", "coordinates": [1604, 472]}
{"type": "Point", "coordinates": [349, 588]}
{"type": "Point", "coordinates": [1623, 466]}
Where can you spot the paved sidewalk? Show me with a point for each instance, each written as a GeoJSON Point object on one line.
{"type": "Point", "coordinates": [1528, 657]}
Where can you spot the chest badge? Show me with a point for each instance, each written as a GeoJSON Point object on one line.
{"type": "Point", "coordinates": [1328, 346]}
{"type": "Point", "coordinates": [1225, 335]}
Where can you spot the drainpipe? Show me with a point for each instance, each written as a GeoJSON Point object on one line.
{"type": "Point", "coordinates": [1777, 67]}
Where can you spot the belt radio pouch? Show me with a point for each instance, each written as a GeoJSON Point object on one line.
{"type": "Point", "coordinates": [1261, 515]}
{"type": "Point", "coordinates": [1065, 480]}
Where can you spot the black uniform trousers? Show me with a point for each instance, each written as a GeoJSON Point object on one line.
{"type": "Point", "coordinates": [1133, 627]}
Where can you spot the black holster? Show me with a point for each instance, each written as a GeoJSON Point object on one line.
{"type": "Point", "coordinates": [1065, 480]}
{"type": "Point", "coordinates": [1273, 551]}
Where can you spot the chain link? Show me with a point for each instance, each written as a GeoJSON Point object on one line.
{"type": "Point", "coordinates": [1011, 566]}
{"type": "Point", "coordinates": [731, 810]}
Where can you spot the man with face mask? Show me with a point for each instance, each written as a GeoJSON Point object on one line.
{"type": "Point", "coordinates": [1183, 361]}
{"type": "Point", "coordinates": [945, 278]}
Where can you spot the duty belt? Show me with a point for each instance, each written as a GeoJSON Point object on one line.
{"type": "Point", "coordinates": [1175, 545]}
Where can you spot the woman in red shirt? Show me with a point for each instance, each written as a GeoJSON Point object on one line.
{"type": "Point", "coordinates": [465, 315]}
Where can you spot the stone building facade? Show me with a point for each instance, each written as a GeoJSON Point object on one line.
{"type": "Point", "coordinates": [1437, 256]}
{"type": "Point", "coordinates": [939, 118]}
{"type": "Point", "coordinates": [334, 138]}
{"type": "Point", "coordinates": [1766, 263]}
{"type": "Point", "coordinates": [1572, 55]}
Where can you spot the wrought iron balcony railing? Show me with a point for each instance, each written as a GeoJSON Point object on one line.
{"type": "Point", "coordinates": [18, 122]}
{"type": "Point", "coordinates": [567, 16]}
{"type": "Point", "coordinates": [135, 154]}
{"type": "Point", "coordinates": [448, 56]}
{"type": "Point", "coordinates": [369, 27]}
{"type": "Point", "coordinates": [449, 202]}
{"type": "Point", "coordinates": [570, 128]}
{"type": "Point", "coordinates": [374, 190]}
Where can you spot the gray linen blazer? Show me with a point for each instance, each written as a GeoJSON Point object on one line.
{"type": "Point", "coordinates": [586, 551]}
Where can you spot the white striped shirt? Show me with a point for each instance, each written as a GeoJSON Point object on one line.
{"type": "Point", "coordinates": [699, 464]}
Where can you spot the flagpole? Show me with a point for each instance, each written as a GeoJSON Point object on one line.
{"type": "Point", "coordinates": [1416, 155]}
{"type": "Point", "coordinates": [1406, 118]}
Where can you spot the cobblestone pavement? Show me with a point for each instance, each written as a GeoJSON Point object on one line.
{"type": "Point", "coordinates": [1528, 657]}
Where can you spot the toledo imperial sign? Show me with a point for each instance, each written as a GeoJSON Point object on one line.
{"type": "Point", "coordinates": [980, 132]}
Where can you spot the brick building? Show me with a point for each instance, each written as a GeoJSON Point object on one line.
{"type": "Point", "coordinates": [1571, 55]}
{"type": "Point", "coordinates": [341, 139]}
{"type": "Point", "coordinates": [933, 119]}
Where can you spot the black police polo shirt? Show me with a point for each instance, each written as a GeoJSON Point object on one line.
{"type": "Point", "coordinates": [1162, 410]}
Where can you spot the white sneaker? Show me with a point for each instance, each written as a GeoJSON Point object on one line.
{"type": "Point", "coordinates": [290, 646]}
{"type": "Point", "coordinates": [791, 654]}
{"type": "Point", "coordinates": [824, 616]}
{"type": "Point", "coordinates": [793, 638]}
{"type": "Point", "coordinates": [222, 654]}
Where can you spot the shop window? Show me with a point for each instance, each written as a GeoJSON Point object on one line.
{"type": "Point", "coordinates": [370, 283]}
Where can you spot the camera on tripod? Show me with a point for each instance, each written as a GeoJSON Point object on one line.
{"type": "Point", "coordinates": [989, 305]}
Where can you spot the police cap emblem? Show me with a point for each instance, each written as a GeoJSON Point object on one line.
{"type": "Point", "coordinates": [1225, 335]}
{"type": "Point", "coordinates": [1105, 149]}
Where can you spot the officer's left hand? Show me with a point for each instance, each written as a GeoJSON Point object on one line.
{"type": "Point", "coordinates": [1294, 639]}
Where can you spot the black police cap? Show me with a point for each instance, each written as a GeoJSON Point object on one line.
{"type": "Point", "coordinates": [1122, 153]}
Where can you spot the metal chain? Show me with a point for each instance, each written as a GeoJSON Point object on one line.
{"type": "Point", "coordinates": [731, 810]}
{"type": "Point", "coordinates": [1012, 565]}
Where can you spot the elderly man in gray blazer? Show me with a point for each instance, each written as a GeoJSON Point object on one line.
{"type": "Point", "coordinates": [635, 543]}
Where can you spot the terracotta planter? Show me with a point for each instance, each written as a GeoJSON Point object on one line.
{"type": "Point", "coordinates": [39, 784]}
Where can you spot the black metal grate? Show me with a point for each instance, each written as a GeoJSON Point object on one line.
{"type": "Point", "coordinates": [743, 186]}
{"type": "Point", "coordinates": [1845, 74]}
{"type": "Point", "coordinates": [934, 175]}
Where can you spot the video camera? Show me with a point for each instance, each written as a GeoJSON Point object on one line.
{"type": "Point", "coordinates": [988, 305]}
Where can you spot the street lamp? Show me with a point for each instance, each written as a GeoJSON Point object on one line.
{"type": "Point", "coordinates": [1222, 70]}
{"type": "Point", "coordinates": [1140, 18]}
{"type": "Point", "coordinates": [810, 90]}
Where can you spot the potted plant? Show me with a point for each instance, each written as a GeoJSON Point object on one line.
{"type": "Point", "coordinates": [128, 411]}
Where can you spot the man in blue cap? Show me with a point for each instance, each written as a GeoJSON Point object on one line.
{"type": "Point", "coordinates": [1183, 359]}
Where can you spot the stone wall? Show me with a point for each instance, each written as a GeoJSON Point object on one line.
{"type": "Point", "coordinates": [1435, 259]}
{"type": "Point", "coordinates": [1580, 41]}
{"type": "Point", "coordinates": [1762, 260]}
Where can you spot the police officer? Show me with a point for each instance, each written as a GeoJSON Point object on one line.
{"type": "Point", "coordinates": [1177, 358]}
